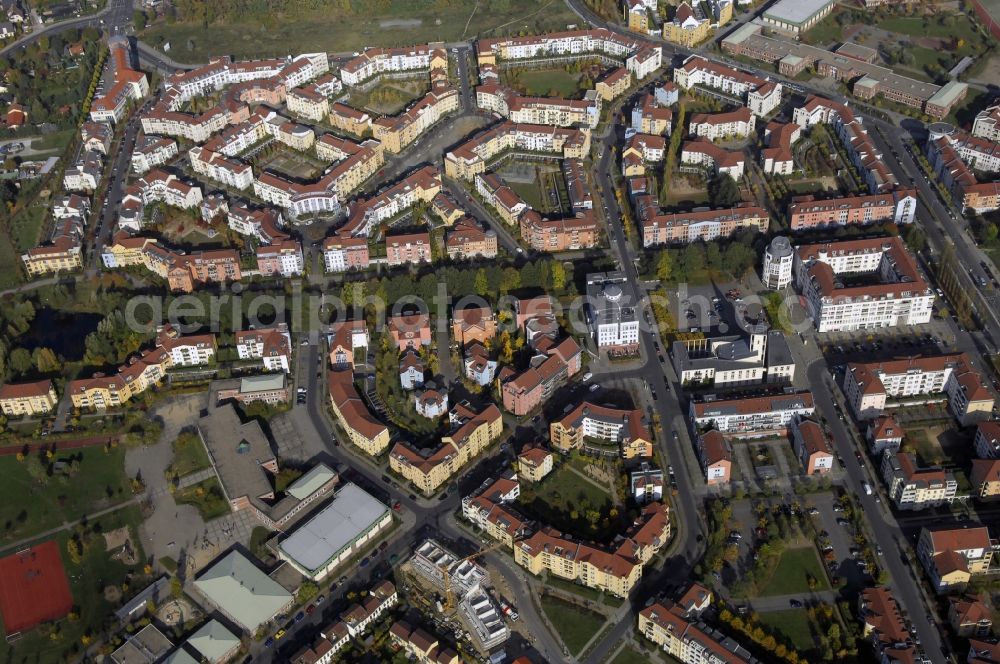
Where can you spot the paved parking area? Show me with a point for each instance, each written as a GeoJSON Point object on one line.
{"type": "Point", "coordinates": [841, 537]}
{"type": "Point", "coordinates": [294, 437]}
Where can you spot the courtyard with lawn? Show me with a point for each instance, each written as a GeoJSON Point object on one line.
{"type": "Point", "coordinates": [541, 185]}
{"type": "Point", "coordinates": [572, 501]}
{"type": "Point", "coordinates": [390, 97]}
{"type": "Point", "coordinates": [41, 491]}
{"type": "Point", "coordinates": [798, 570]}
{"type": "Point", "coordinates": [574, 624]}
{"type": "Point", "coordinates": [556, 82]}
{"type": "Point", "coordinates": [288, 162]}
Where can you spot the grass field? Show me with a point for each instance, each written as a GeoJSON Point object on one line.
{"type": "Point", "coordinates": [26, 227]}
{"type": "Point", "coordinates": [575, 625]}
{"type": "Point", "coordinates": [913, 26]}
{"type": "Point", "coordinates": [189, 455]}
{"type": "Point", "coordinates": [565, 488]}
{"type": "Point", "coordinates": [87, 582]}
{"type": "Point", "coordinates": [629, 655]}
{"type": "Point", "coordinates": [793, 625]}
{"type": "Point", "coordinates": [825, 32]}
{"type": "Point", "coordinates": [29, 506]}
{"type": "Point", "coordinates": [792, 572]}
{"type": "Point", "coordinates": [400, 23]}
{"type": "Point", "coordinates": [549, 82]}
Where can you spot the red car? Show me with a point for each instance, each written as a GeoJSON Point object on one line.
{"type": "Point", "coordinates": [397, 506]}
{"type": "Point", "coordinates": [310, 609]}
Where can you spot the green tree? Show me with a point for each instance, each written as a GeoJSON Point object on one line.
{"type": "Point", "coordinates": [482, 283]}
{"type": "Point", "coordinates": [510, 281]}
{"type": "Point", "coordinates": [723, 191]}
{"type": "Point", "coordinates": [139, 18]}
{"type": "Point", "coordinates": [20, 360]}
{"type": "Point", "coordinates": [558, 274]}
{"type": "Point", "coordinates": [664, 266]}
{"type": "Point", "coordinates": [45, 360]}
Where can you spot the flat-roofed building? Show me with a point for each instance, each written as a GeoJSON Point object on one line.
{"type": "Point", "coordinates": [611, 314]}
{"type": "Point", "coordinates": [352, 520]}
{"type": "Point", "coordinates": [796, 16]}
{"type": "Point", "coordinates": [761, 357]}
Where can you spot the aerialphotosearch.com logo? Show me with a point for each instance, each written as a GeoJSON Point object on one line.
{"type": "Point", "coordinates": [318, 313]}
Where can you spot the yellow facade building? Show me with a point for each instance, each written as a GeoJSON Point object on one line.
{"type": "Point", "coordinates": [31, 398]}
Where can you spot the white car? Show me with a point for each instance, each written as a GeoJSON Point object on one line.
{"type": "Point", "coordinates": [587, 376]}
{"type": "Point", "coordinates": [595, 387]}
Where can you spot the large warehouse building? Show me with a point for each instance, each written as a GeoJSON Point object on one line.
{"type": "Point", "coordinates": [353, 519]}
{"type": "Point", "coordinates": [797, 16]}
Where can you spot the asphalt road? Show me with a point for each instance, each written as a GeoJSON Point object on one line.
{"type": "Point", "coordinates": [886, 531]}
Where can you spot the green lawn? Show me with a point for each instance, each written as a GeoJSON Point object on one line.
{"type": "Point", "coordinates": [793, 625]}
{"type": "Point", "coordinates": [189, 455]}
{"type": "Point", "coordinates": [790, 575]}
{"type": "Point", "coordinates": [207, 496]}
{"type": "Point", "coordinates": [565, 488]}
{"type": "Point", "coordinates": [396, 23]}
{"type": "Point", "coordinates": [549, 82]}
{"type": "Point", "coordinates": [29, 505]}
{"type": "Point", "coordinates": [87, 582]}
{"type": "Point", "coordinates": [825, 32]}
{"type": "Point", "coordinates": [575, 625]}
{"type": "Point", "coordinates": [962, 27]}
{"type": "Point", "coordinates": [629, 655]}
{"type": "Point", "coordinates": [26, 227]}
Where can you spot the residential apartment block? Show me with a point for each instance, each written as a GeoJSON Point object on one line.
{"type": "Point", "coordinates": [677, 630]}
{"type": "Point", "coordinates": [761, 96]}
{"type": "Point", "coordinates": [752, 416]}
{"type": "Point", "coordinates": [472, 432]}
{"type": "Point", "coordinates": [883, 625]}
{"type": "Point", "coordinates": [468, 239]}
{"type": "Point", "coordinates": [701, 152]}
{"type": "Point", "coordinates": [553, 111]}
{"type": "Point", "coordinates": [913, 488]}
{"type": "Point", "coordinates": [869, 386]}
{"type": "Point", "coordinates": [271, 345]}
{"type": "Point", "coordinates": [898, 206]}
{"type": "Point", "coordinates": [700, 224]}
{"type": "Point", "coordinates": [951, 556]}
{"type": "Point", "coordinates": [471, 158]}
{"type": "Point", "coordinates": [363, 430]}
{"type": "Point", "coordinates": [397, 132]}
{"type": "Point", "coordinates": [128, 84]}
{"type": "Point", "coordinates": [896, 292]}
{"type": "Point", "coordinates": [408, 249]}
{"type": "Point", "coordinates": [718, 126]}
{"type": "Point", "coordinates": [625, 428]}
{"type": "Point", "coordinates": [525, 391]}
{"type": "Point", "coordinates": [29, 399]}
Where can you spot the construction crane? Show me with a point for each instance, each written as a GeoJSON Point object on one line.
{"type": "Point", "coordinates": [449, 593]}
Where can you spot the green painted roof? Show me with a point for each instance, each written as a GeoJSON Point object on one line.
{"type": "Point", "coordinates": [242, 591]}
